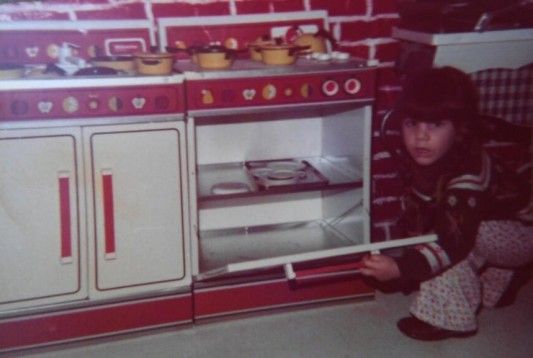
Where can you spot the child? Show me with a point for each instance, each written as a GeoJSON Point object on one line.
{"type": "Point", "coordinates": [456, 190]}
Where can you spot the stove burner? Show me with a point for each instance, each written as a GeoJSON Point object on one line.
{"type": "Point", "coordinates": [87, 71]}
{"type": "Point", "coordinates": [96, 71]}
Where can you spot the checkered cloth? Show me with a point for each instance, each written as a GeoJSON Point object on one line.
{"type": "Point", "coordinates": [506, 93]}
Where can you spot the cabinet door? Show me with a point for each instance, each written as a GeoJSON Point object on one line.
{"type": "Point", "coordinates": [39, 207]}
{"type": "Point", "coordinates": [139, 206]}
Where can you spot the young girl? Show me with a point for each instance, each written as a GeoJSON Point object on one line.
{"type": "Point", "coordinates": [456, 190]}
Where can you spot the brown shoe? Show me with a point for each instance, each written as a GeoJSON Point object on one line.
{"type": "Point", "coordinates": [417, 329]}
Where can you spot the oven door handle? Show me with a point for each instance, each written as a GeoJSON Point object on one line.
{"type": "Point", "coordinates": [322, 271]}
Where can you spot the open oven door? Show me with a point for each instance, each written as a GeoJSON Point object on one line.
{"type": "Point", "coordinates": [291, 263]}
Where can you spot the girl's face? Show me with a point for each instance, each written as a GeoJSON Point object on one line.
{"type": "Point", "coordinates": [427, 142]}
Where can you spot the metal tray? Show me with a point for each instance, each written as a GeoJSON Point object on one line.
{"type": "Point", "coordinates": [283, 174]}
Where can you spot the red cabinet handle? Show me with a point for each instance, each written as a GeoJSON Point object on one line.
{"type": "Point", "coordinates": [64, 218]}
{"type": "Point", "coordinates": [109, 218]}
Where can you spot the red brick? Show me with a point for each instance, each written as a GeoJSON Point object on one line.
{"type": "Point", "coordinates": [384, 27]}
{"type": "Point", "coordinates": [183, 9]}
{"type": "Point", "coordinates": [360, 51]}
{"type": "Point", "coordinates": [386, 99]}
{"type": "Point", "coordinates": [266, 6]}
{"type": "Point", "coordinates": [253, 6]}
{"type": "Point", "coordinates": [211, 9]}
{"type": "Point", "coordinates": [358, 30]}
{"type": "Point", "coordinates": [38, 15]}
{"type": "Point", "coordinates": [173, 10]}
{"type": "Point", "coordinates": [340, 7]}
{"type": "Point", "coordinates": [63, 2]}
{"type": "Point", "coordinates": [126, 11]}
{"type": "Point", "coordinates": [288, 5]}
{"type": "Point", "coordinates": [384, 7]}
{"type": "Point", "coordinates": [387, 52]}
{"type": "Point", "coordinates": [388, 76]}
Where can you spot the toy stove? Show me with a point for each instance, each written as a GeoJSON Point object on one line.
{"type": "Point", "coordinates": [279, 161]}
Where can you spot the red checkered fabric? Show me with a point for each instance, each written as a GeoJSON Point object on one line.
{"type": "Point", "coordinates": [506, 93]}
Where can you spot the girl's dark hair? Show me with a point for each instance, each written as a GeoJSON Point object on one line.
{"type": "Point", "coordinates": [439, 93]}
{"type": "Point", "coordinates": [435, 94]}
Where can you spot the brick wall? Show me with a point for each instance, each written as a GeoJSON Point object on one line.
{"type": "Point", "coordinates": [362, 28]}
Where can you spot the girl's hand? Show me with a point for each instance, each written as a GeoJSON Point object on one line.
{"type": "Point", "coordinates": [381, 267]}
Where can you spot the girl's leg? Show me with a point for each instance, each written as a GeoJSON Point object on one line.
{"type": "Point", "coordinates": [494, 281]}
{"type": "Point", "coordinates": [503, 245]}
{"type": "Point", "coordinates": [450, 300]}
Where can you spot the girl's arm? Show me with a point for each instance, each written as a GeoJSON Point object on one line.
{"type": "Point", "coordinates": [455, 220]}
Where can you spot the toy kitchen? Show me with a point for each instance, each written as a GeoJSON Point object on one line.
{"type": "Point", "coordinates": [134, 195]}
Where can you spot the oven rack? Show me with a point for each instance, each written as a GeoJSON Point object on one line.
{"type": "Point", "coordinates": [341, 173]}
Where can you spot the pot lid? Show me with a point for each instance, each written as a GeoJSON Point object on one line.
{"type": "Point", "coordinates": [95, 71]}
{"type": "Point", "coordinates": [211, 49]}
{"type": "Point", "coordinates": [111, 58]}
{"type": "Point", "coordinates": [153, 56]}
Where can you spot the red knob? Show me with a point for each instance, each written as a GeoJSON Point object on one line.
{"type": "Point", "coordinates": [352, 86]}
{"type": "Point", "coordinates": [330, 88]}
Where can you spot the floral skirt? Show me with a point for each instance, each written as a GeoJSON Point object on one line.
{"type": "Point", "coordinates": [451, 299]}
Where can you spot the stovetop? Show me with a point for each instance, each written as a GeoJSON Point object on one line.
{"type": "Point", "coordinates": [31, 81]}
{"type": "Point", "coordinates": [248, 68]}
{"type": "Point", "coordinates": [246, 84]}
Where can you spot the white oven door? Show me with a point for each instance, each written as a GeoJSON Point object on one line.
{"type": "Point", "coordinates": [236, 252]}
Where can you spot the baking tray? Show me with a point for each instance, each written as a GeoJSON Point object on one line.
{"type": "Point", "coordinates": [282, 174]}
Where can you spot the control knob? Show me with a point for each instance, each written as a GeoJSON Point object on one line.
{"type": "Point", "coordinates": [19, 107]}
{"type": "Point", "coordinates": [352, 86]}
{"type": "Point", "coordinates": [330, 88]}
{"type": "Point", "coordinates": [70, 104]}
{"type": "Point", "coordinates": [269, 92]}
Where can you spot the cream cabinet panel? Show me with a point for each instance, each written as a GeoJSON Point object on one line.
{"type": "Point", "coordinates": [139, 205]}
{"type": "Point", "coordinates": [41, 234]}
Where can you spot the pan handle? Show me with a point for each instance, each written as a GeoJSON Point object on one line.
{"type": "Point", "coordinates": [327, 35]}
{"type": "Point", "coordinates": [172, 49]}
{"type": "Point", "coordinates": [296, 49]}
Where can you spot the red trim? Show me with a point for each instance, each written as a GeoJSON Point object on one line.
{"type": "Point", "coordinates": [109, 219]}
{"type": "Point", "coordinates": [83, 323]}
{"type": "Point", "coordinates": [269, 294]}
{"type": "Point", "coordinates": [64, 209]}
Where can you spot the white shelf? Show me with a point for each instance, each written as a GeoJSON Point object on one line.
{"type": "Point", "coordinates": [341, 172]}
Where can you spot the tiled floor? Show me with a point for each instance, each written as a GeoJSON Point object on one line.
{"type": "Point", "coordinates": [353, 329]}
